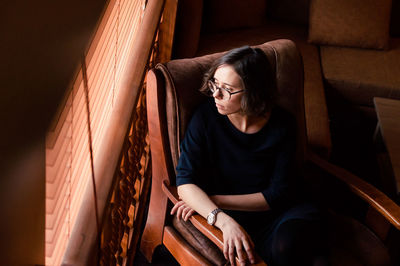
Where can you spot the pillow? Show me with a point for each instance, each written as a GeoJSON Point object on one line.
{"type": "Point", "coordinates": [353, 23]}
{"type": "Point", "coordinates": [222, 15]}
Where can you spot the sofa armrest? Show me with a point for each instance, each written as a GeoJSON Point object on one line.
{"type": "Point", "coordinates": [316, 111]}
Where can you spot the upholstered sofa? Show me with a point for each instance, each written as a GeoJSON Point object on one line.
{"type": "Point", "coordinates": [350, 51]}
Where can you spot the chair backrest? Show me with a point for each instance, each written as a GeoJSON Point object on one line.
{"type": "Point", "coordinates": [184, 77]}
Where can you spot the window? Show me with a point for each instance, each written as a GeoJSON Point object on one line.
{"type": "Point", "coordinates": [83, 120]}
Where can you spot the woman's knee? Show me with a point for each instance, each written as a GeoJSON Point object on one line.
{"type": "Point", "coordinates": [297, 241]}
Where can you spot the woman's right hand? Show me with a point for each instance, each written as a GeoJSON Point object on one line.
{"type": "Point", "coordinates": [236, 241]}
{"type": "Point", "coordinates": [182, 210]}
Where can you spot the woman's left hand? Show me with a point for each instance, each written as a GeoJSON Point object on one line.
{"type": "Point", "coordinates": [182, 210]}
{"type": "Point", "coordinates": [236, 241]}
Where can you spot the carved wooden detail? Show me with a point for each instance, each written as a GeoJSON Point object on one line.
{"type": "Point", "coordinates": [128, 199]}
{"type": "Point", "coordinates": [121, 226]}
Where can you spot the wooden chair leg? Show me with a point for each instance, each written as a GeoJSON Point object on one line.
{"type": "Point", "coordinates": [153, 232]}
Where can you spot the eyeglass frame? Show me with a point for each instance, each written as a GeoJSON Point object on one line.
{"type": "Point", "coordinates": [221, 88]}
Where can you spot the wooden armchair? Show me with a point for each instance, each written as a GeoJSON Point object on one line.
{"type": "Point", "coordinates": [172, 96]}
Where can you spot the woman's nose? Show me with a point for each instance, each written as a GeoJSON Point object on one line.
{"type": "Point", "coordinates": [217, 93]}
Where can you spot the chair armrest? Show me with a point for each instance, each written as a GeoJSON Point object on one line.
{"type": "Point", "coordinates": [211, 232]}
{"type": "Point", "coordinates": [373, 196]}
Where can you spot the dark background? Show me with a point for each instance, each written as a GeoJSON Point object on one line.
{"type": "Point", "coordinates": [41, 43]}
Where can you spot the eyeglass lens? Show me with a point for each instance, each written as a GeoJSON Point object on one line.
{"type": "Point", "coordinates": [214, 87]}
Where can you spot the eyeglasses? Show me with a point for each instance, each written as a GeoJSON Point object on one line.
{"type": "Point", "coordinates": [226, 94]}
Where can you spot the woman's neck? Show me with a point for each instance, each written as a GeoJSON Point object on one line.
{"type": "Point", "coordinates": [249, 124]}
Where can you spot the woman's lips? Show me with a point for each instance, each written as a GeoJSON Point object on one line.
{"type": "Point", "coordinates": [219, 106]}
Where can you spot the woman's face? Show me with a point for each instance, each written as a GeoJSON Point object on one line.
{"type": "Point", "coordinates": [226, 77]}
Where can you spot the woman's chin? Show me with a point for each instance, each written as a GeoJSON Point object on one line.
{"type": "Point", "coordinates": [221, 110]}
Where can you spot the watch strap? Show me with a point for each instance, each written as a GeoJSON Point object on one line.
{"type": "Point", "coordinates": [217, 210]}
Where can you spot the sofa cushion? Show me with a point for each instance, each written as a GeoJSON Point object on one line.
{"type": "Point", "coordinates": [296, 11]}
{"type": "Point", "coordinates": [358, 75]}
{"type": "Point", "coordinates": [354, 23]}
{"type": "Point", "coordinates": [222, 15]}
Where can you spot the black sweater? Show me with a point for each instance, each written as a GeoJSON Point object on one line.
{"type": "Point", "coordinates": [222, 160]}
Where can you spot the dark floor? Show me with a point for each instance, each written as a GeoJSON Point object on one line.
{"type": "Point", "coordinates": [161, 257]}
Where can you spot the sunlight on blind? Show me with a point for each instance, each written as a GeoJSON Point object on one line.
{"type": "Point", "coordinates": [68, 170]}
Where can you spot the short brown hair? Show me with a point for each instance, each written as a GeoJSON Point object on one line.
{"type": "Point", "coordinates": [258, 77]}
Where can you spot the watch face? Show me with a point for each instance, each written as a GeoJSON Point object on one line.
{"type": "Point", "coordinates": [210, 219]}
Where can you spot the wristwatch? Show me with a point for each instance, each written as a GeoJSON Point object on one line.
{"type": "Point", "coordinates": [212, 217]}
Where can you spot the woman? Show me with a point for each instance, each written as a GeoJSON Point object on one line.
{"type": "Point", "coordinates": [236, 166]}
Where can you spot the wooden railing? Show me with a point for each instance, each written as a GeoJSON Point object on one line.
{"type": "Point", "coordinates": [123, 221]}
{"type": "Point", "coordinates": [121, 230]}
{"type": "Point", "coordinates": [123, 179]}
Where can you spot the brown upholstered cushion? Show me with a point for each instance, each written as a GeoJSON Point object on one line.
{"type": "Point", "coordinates": [316, 112]}
{"type": "Point", "coordinates": [222, 15]}
{"type": "Point", "coordinates": [296, 11]}
{"type": "Point", "coordinates": [199, 242]}
{"type": "Point", "coordinates": [358, 75]}
{"type": "Point", "coordinates": [179, 86]}
{"type": "Point", "coordinates": [354, 23]}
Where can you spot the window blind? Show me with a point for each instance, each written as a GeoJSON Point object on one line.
{"type": "Point", "coordinates": [68, 163]}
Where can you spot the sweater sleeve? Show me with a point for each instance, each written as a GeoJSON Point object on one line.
{"type": "Point", "coordinates": [279, 193]}
{"type": "Point", "coordinates": [192, 151]}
